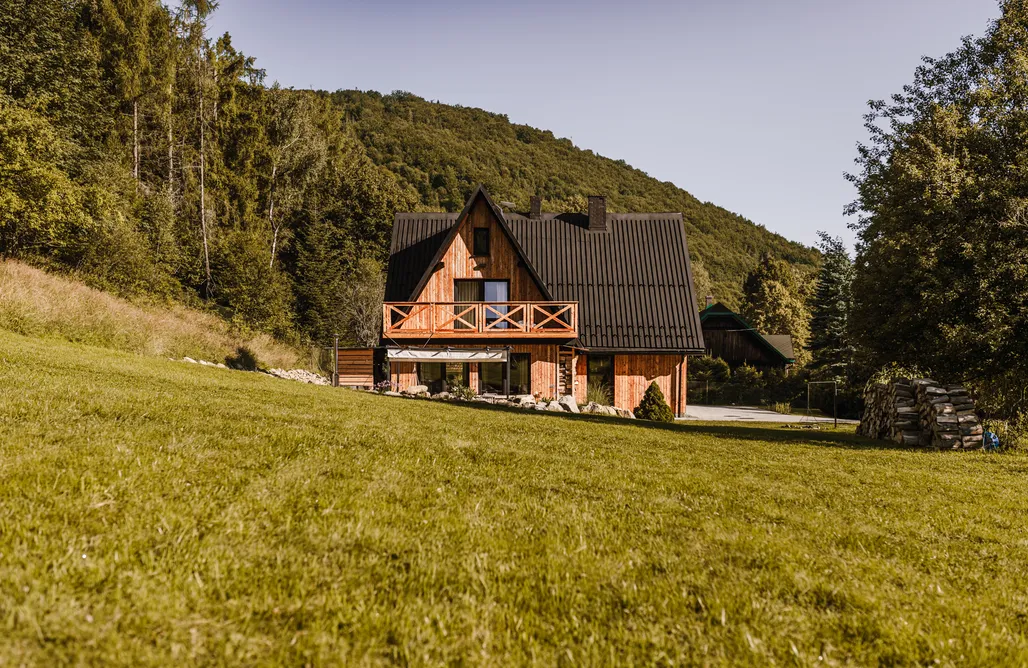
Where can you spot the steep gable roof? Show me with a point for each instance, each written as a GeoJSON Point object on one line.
{"type": "Point", "coordinates": [480, 193]}
{"type": "Point", "coordinates": [633, 282]}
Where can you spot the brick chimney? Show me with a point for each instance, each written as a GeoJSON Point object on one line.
{"type": "Point", "coordinates": [536, 208]}
{"type": "Point", "coordinates": [597, 213]}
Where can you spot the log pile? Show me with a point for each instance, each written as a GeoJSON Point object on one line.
{"type": "Point", "coordinates": [921, 412]}
{"type": "Point", "coordinates": [948, 420]}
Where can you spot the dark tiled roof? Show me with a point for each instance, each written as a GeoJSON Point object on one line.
{"type": "Point", "coordinates": [783, 342]}
{"type": "Point", "coordinates": [633, 282]}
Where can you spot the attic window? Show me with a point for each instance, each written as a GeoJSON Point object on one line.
{"type": "Point", "coordinates": [481, 242]}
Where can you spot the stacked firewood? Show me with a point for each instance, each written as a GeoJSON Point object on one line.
{"type": "Point", "coordinates": [890, 413]}
{"type": "Point", "coordinates": [923, 413]}
{"type": "Point", "coordinates": [948, 420]}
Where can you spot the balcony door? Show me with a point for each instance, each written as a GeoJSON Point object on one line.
{"type": "Point", "coordinates": [467, 292]}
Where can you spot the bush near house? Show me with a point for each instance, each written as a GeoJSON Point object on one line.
{"type": "Point", "coordinates": [654, 407]}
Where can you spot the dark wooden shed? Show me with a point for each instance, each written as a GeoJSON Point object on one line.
{"type": "Point", "coordinates": [727, 335]}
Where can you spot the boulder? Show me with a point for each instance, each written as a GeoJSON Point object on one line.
{"type": "Point", "coordinates": [569, 404]}
{"type": "Point", "coordinates": [441, 395]}
{"type": "Point", "coordinates": [390, 393]}
{"type": "Point", "coordinates": [554, 407]}
{"type": "Point", "coordinates": [416, 390]}
{"type": "Point", "coordinates": [523, 399]}
{"type": "Point", "coordinates": [540, 407]}
{"type": "Point", "coordinates": [189, 359]}
{"type": "Point", "coordinates": [592, 407]}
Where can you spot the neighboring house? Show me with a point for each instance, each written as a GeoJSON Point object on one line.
{"type": "Point", "coordinates": [731, 338]}
{"type": "Point", "coordinates": [541, 304]}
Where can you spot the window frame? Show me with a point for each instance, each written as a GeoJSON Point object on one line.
{"type": "Point", "coordinates": [477, 235]}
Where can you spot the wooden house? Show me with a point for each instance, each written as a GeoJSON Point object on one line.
{"type": "Point", "coordinates": [730, 337]}
{"type": "Point", "coordinates": [541, 303]}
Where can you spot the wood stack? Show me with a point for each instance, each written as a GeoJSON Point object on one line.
{"type": "Point", "coordinates": [948, 420]}
{"type": "Point", "coordinates": [923, 413]}
{"type": "Point", "coordinates": [890, 413]}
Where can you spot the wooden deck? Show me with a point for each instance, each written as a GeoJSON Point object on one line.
{"type": "Point", "coordinates": [479, 320]}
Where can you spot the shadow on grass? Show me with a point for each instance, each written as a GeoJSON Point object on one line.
{"type": "Point", "coordinates": [765, 433]}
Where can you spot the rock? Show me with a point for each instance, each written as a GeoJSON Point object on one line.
{"type": "Point", "coordinates": [625, 413]}
{"type": "Point", "coordinates": [221, 366]}
{"type": "Point", "coordinates": [554, 407]}
{"type": "Point", "coordinates": [523, 399]}
{"type": "Point", "coordinates": [424, 395]}
{"type": "Point", "coordinates": [189, 359]}
{"type": "Point", "coordinates": [206, 363]}
{"type": "Point", "coordinates": [390, 393]}
{"type": "Point", "coordinates": [569, 404]}
{"type": "Point", "coordinates": [299, 375]}
{"type": "Point", "coordinates": [441, 395]}
{"type": "Point", "coordinates": [416, 390]}
{"type": "Point", "coordinates": [540, 407]}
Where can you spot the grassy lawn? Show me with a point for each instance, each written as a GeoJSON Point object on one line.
{"type": "Point", "coordinates": [154, 512]}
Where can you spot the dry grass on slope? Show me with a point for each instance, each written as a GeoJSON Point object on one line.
{"type": "Point", "coordinates": [35, 303]}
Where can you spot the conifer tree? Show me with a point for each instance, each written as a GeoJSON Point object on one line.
{"type": "Point", "coordinates": [830, 349]}
{"type": "Point", "coordinates": [654, 407]}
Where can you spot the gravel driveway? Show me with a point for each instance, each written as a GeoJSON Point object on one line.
{"type": "Point", "coordinates": [749, 414]}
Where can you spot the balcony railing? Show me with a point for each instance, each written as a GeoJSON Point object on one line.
{"type": "Point", "coordinates": [553, 320]}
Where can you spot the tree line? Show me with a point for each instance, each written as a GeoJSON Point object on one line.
{"type": "Point", "coordinates": [152, 158]}
{"type": "Point", "coordinates": [939, 281]}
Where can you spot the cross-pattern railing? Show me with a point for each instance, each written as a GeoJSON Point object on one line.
{"type": "Point", "coordinates": [480, 319]}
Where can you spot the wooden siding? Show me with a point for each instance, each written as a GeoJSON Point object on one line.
{"type": "Point", "coordinates": [581, 378]}
{"type": "Point", "coordinates": [459, 263]}
{"type": "Point", "coordinates": [403, 374]}
{"type": "Point", "coordinates": [724, 338]}
{"type": "Point", "coordinates": [634, 373]}
{"type": "Point", "coordinates": [356, 368]}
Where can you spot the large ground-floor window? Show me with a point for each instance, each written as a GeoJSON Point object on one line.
{"type": "Point", "coordinates": [442, 376]}
{"type": "Point", "coordinates": [600, 377]}
{"type": "Point", "coordinates": [491, 375]}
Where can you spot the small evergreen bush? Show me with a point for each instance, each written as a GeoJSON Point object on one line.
{"type": "Point", "coordinates": [707, 368]}
{"type": "Point", "coordinates": [654, 407]}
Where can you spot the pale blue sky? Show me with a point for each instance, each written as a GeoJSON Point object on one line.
{"type": "Point", "coordinates": [753, 105]}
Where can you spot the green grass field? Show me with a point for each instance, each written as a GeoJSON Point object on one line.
{"type": "Point", "coordinates": [160, 513]}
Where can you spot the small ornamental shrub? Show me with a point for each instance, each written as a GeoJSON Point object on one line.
{"type": "Point", "coordinates": [654, 407]}
{"type": "Point", "coordinates": [710, 369]}
{"type": "Point", "coordinates": [748, 375]}
{"type": "Point", "coordinates": [459, 390]}
{"type": "Point", "coordinates": [385, 386]}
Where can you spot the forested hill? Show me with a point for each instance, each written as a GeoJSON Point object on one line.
{"type": "Point", "coordinates": [443, 151]}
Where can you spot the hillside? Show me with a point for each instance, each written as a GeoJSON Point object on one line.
{"type": "Point", "coordinates": [36, 303]}
{"type": "Point", "coordinates": [155, 513]}
{"type": "Point", "coordinates": [442, 152]}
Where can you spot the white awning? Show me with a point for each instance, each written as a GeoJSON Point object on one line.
{"type": "Point", "coordinates": [448, 355]}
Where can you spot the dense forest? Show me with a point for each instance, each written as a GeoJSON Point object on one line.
{"type": "Point", "coordinates": [154, 160]}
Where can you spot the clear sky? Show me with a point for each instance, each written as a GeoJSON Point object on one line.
{"type": "Point", "coordinates": [754, 105]}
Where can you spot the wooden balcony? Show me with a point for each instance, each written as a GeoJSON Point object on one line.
{"type": "Point", "coordinates": [481, 320]}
